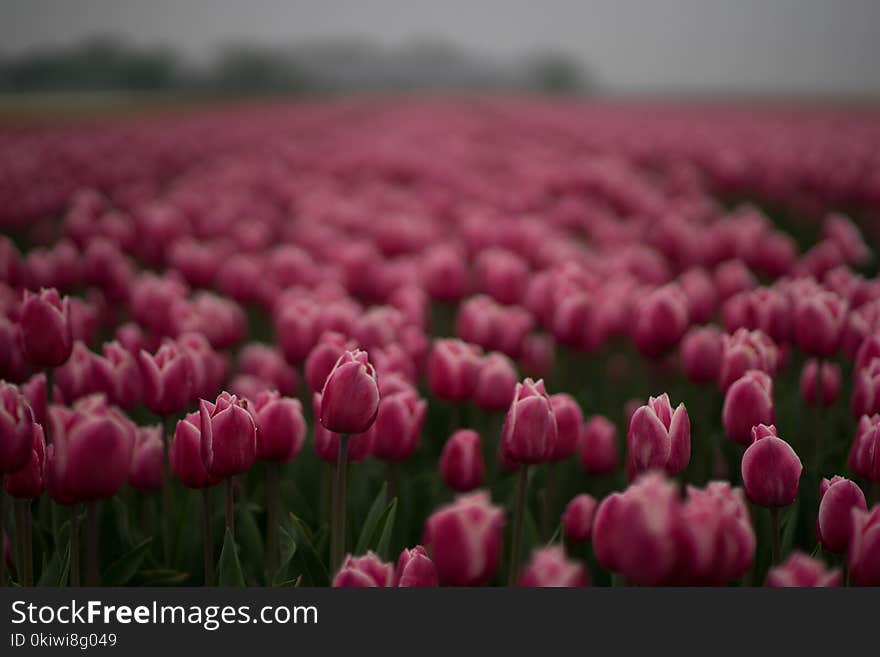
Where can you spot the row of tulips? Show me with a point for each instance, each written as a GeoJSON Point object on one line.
{"type": "Point", "coordinates": [485, 299]}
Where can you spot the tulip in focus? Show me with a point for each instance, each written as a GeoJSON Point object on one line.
{"type": "Point", "coordinates": [837, 498]}
{"type": "Point", "coordinates": [658, 438]}
{"type": "Point", "coordinates": [529, 434]}
{"type": "Point", "coordinates": [771, 470]}
{"type": "Point", "coordinates": [185, 454]}
{"type": "Point", "coordinates": [415, 569]}
{"type": "Point", "coordinates": [228, 436]}
{"type": "Point", "coordinates": [350, 398]}
{"type": "Point", "coordinates": [167, 379]}
{"type": "Point", "coordinates": [549, 567]}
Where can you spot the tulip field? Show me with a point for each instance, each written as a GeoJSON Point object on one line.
{"type": "Point", "coordinates": [442, 341]}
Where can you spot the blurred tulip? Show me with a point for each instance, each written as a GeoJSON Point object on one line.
{"type": "Point", "coordinates": [281, 428]}
{"type": "Point", "coordinates": [529, 434]}
{"type": "Point", "coordinates": [658, 438]}
{"type": "Point", "coordinates": [801, 570]}
{"type": "Point", "coordinates": [398, 426]}
{"type": "Point", "coordinates": [748, 403]}
{"type": "Point", "coordinates": [496, 382]}
{"type": "Point", "coordinates": [837, 498]}
{"type": "Point", "coordinates": [46, 328]}
{"type": "Point", "coordinates": [577, 520]}
{"type": "Point", "coordinates": [322, 358]}
{"type": "Point", "coordinates": [366, 571]}
{"type": "Point", "coordinates": [818, 323]}
{"type": "Point", "coordinates": [415, 569]}
{"type": "Point", "coordinates": [549, 567]}
{"type": "Point", "coordinates": [453, 368]}
{"type": "Point", "coordinates": [16, 428]}
{"type": "Point", "coordinates": [29, 480]}
{"type": "Point", "coordinates": [864, 547]}
{"type": "Point", "coordinates": [569, 419]}
{"type": "Point", "coordinates": [701, 352]}
{"type": "Point", "coordinates": [167, 379]}
{"type": "Point", "coordinates": [820, 393]}
{"type": "Point", "coordinates": [147, 462]}
{"type": "Point", "coordinates": [661, 320]}
{"type": "Point", "coordinates": [864, 455]}
{"type": "Point", "coordinates": [461, 463]}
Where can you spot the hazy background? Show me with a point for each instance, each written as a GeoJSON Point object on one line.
{"type": "Point", "coordinates": [775, 47]}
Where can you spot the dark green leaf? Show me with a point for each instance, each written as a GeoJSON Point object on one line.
{"type": "Point", "coordinates": [387, 525]}
{"type": "Point", "coordinates": [368, 534]}
{"type": "Point", "coordinates": [230, 573]}
{"type": "Point", "coordinates": [307, 558]}
{"type": "Point", "coordinates": [123, 569]}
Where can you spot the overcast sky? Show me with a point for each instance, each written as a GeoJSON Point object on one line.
{"type": "Point", "coordinates": [782, 46]}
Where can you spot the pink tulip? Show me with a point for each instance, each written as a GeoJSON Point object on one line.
{"type": "Point", "coordinates": [167, 379]}
{"type": "Point", "coordinates": [496, 382]}
{"type": "Point", "coordinates": [636, 532]}
{"type": "Point", "coordinates": [28, 481]}
{"type": "Point", "coordinates": [322, 358]}
{"type": "Point", "coordinates": [699, 289]}
{"type": "Point", "coordinates": [185, 454]}
{"type": "Point", "coordinates": [598, 446]}
{"type": "Point", "coordinates": [701, 352]}
{"type": "Point", "coordinates": [659, 438]}
{"type": "Point", "coordinates": [569, 419]}
{"type": "Point", "coordinates": [266, 363]}
{"type": "Point", "coordinates": [502, 274]}
{"type": "Point", "coordinates": [91, 451]}
{"type": "Point", "coordinates": [398, 426]}
{"type": "Point", "coordinates": [866, 390]}
{"type": "Point", "coordinates": [820, 393]}
{"type": "Point", "coordinates": [415, 569]}
{"type": "Point", "coordinates": [465, 540]}
{"type": "Point", "coordinates": [16, 428]}
{"type": "Point", "coordinates": [46, 328]}
{"type": "Point", "coordinates": [281, 428]}
{"type": "Point", "coordinates": [147, 462]}
{"type": "Point", "coordinates": [731, 277]}
{"type": "Point", "coordinates": [117, 375]}
{"type": "Point", "coordinates": [529, 434]}
{"type": "Point", "coordinates": [538, 355]}
{"type": "Point", "coordinates": [76, 377]}
{"type": "Point", "coordinates": [445, 273]}
{"type": "Point", "coordinates": [296, 328]}
{"type": "Point", "coordinates": [743, 351]}
{"type": "Point", "coordinates": [366, 571]}
{"type": "Point", "coordinates": [864, 547]}
{"type": "Point", "coordinates": [34, 391]}
{"type": "Point", "coordinates": [837, 498]}
{"type": "Point", "coordinates": [549, 567]}
{"type": "Point", "coordinates": [228, 434]}
{"type": "Point", "coordinates": [327, 442]}
{"type": "Point", "coordinates": [453, 368]}
{"type": "Point", "coordinates": [771, 470]}
{"type": "Point", "coordinates": [801, 570]}
{"type": "Point", "coordinates": [748, 403]}
{"type": "Point", "coordinates": [818, 322]}
{"type": "Point", "coordinates": [661, 320]}
{"type": "Point", "coordinates": [577, 520]}
{"type": "Point", "coordinates": [350, 398]}
{"type": "Point", "coordinates": [864, 455]}
{"type": "Point", "coordinates": [844, 234]}
{"type": "Point", "coordinates": [461, 463]}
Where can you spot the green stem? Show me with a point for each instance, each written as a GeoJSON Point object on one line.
{"type": "Point", "coordinates": [167, 426]}
{"type": "Point", "coordinates": [337, 543]}
{"type": "Point", "coordinates": [2, 532]}
{"type": "Point", "coordinates": [20, 540]}
{"type": "Point", "coordinates": [29, 545]}
{"type": "Point", "coordinates": [774, 529]}
{"type": "Point", "coordinates": [522, 483]}
{"type": "Point", "coordinates": [74, 545]}
{"type": "Point", "coordinates": [391, 478]}
{"type": "Point", "coordinates": [230, 506]}
{"type": "Point", "coordinates": [272, 501]}
{"type": "Point", "coordinates": [550, 471]}
{"type": "Point", "coordinates": [93, 563]}
{"type": "Point", "coordinates": [208, 546]}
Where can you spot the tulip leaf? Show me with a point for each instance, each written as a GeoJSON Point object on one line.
{"type": "Point", "coordinates": [307, 559]}
{"type": "Point", "coordinates": [371, 522]}
{"type": "Point", "coordinates": [230, 573]}
{"type": "Point", "coordinates": [55, 572]}
{"type": "Point", "coordinates": [287, 545]}
{"type": "Point", "coordinates": [387, 529]}
{"type": "Point", "coordinates": [163, 577]}
{"type": "Point", "coordinates": [123, 569]}
{"type": "Point", "coordinates": [251, 539]}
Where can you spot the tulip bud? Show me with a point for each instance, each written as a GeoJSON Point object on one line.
{"type": "Point", "coordinates": [864, 547]}
{"type": "Point", "coordinates": [843, 233]}
{"type": "Point", "coordinates": [598, 446]}
{"type": "Point", "coordinates": [465, 540]}
{"type": "Point", "coordinates": [770, 469]}
{"type": "Point", "coordinates": [864, 456]}
{"type": "Point", "coordinates": [229, 436]}
{"type": "Point", "coordinates": [296, 328]}
{"type": "Point", "coordinates": [281, 428]}
{"type": "Point", "coordinates": [398, 426]}
{"type": "Point", "coordinates": [266, 363]}
{"type": "Point", "coordinates": [569, 419]}
{"type": "Point", "coordinates": [185, 454]}
{"type": "Point", "coordinates": [866, 390]}
{"type": "Point", "coordinates": [744, 351]}
{"type": "Point", "coordinates": [453, 367]}
{"type": "Point", "coordinates": [323, 357]}
{"type": "Point", "coordinates": [801, 570]}
{"type": "Point", "coordinates": [445, 273]}
{"type": "Point", "coordinates": [28, 481]}
{"type": "Point", "coordinates": [461, 463]}
{"type": "Point", "coordinates": [549, 567]}
{"type": "Point", "coordinates": [90, 454]}
{"type": "Point", "coordinates": [117, 375]}
{"type": "Point", "coordinates": [146, 473]}
{"type": "Point", "coordinates": [502, 274]}
{"type": "Point", "coordinates": [46, 328]}
{"type": "Point", "coordinates": [75, 377]}
{"type": "Point", "coordinates": [16, 428]}
{"type": "Point", "coordinates": [661, 320]}
{"type": "Point", "coordinates": [837, 498]}
{"type": "Point", "coordinates": [635, 533]}
{"type": "Point", "coordinates": [167, 379]}
{"type": "Point", "coordinates": [577, 520]}
{"type": "Point", "coordinates": [529, 432]}
{"type": "Point", "coordinates": [496, 382]}
{"type": "Point", "coordinates": [415, 569]}
{"type": "Point", "coordinates": [824, 392]}
{"type": "Point", "coordinates": [327, 442]}
{"type": "Point", "coordinates": [818, 322]}
{"type": "Point", "coordinates": [701, 353]}
{"type": "Point", "coordinates": [749, 402]}
{"type": "Point", "coordinates": [659, 438]}
{"type": "Point", "coordinates": [350, 399]}
{"type": "Point", "coordinates": [366, 571]}
{"type": "Point", "coordinates": [35, 392]}
{"type": "Point", "coordinates": [538, 355]}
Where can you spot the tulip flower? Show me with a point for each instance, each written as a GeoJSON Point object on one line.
{"type": "Point", "coordinates": [117, 375]}
{"type": "Point", "coordinates": [748, 403]}
{"type": "Point", "coordinates": [549, 567]}
{"type": "Point", "coordinates": [864, 456]}
{"type": "Point", "coordinates": [598, 446]}
{"type": "Point", "coordinates": [415, 569]}
{"type": "Point", "coordinates": [661, 320]}
{"type": "Point", "coordinates": [147, 462]}
{"type": "Point", "coordinates": [46, 328]}
{"type": "Point", "coordinates": [577, 521]}
{"type": "Point", "coordinates": [743, 351]}
{"type": "Point", "coordinates": [461, 463]}
{"type": "Point", "coordinates": [28, 481]}
{"type": "Point", "coordinates": [322, 358]}
{"type": "Point", "coordinates": [366, 571]}
{"type": "Point", "coordinates": [801, 570]}
{"type": "Point", "coordinates": [818, 322]}
{"type": "Point", "coordinates": [464, 539]}
{"type": "Point", "coordinates": [866, 390]}
{"type": "Point", "coordinates": [701, 352]}
{"type": "Point", "coordinates": [496, 382]}
{"type": "Point", "coordinates": [837, 498]}
{"type": "Point", "coordinates": [658, 438]}
{"type": "Point", "coordinates": [16, 428]}
{"type": "Point", "coordinates": [453, 368]}
{"type": "Point", "coordinates": [167, 379]}
{"type": "Point", "coordinates": [349, 404]}
{"type": "Point", "coordinates": [398, 426]}
{"type": "Point", "coordinates": [864, 547]}
{"type": "Point", "coordinates": [445, 273]}
{"type": "Point", "coordinates": [771, 472]}
{"type": "Point", "coordinates": [820, 383]}
{"type": "Point", "coordinates": [266, 363]}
